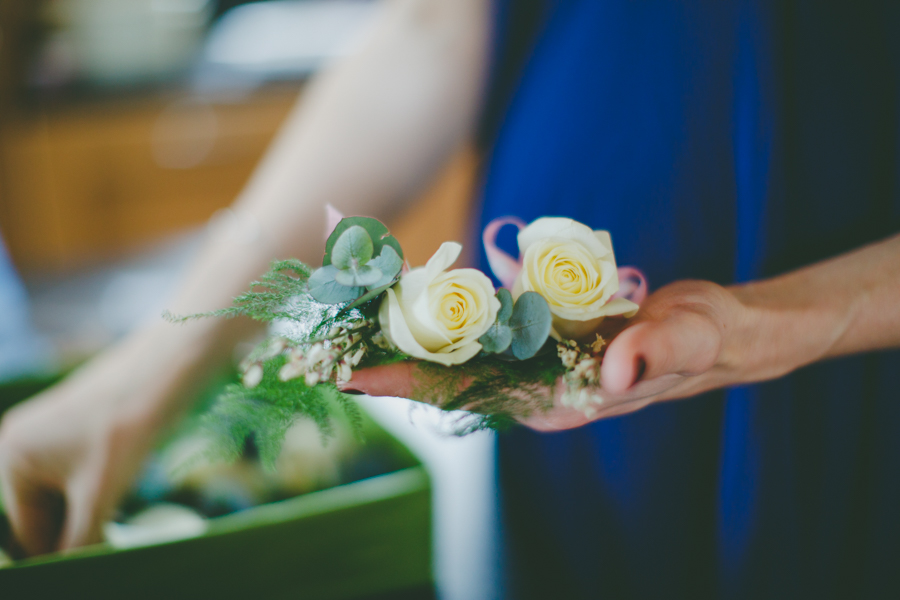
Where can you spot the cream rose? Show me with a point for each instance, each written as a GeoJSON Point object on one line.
{"type": "Point", "coordinates": [438, 315]}
{"type": "Point", "coordinates": [574, 269]}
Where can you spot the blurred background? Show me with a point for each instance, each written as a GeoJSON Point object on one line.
{"type": "Point", "coordinates": [124, 126]}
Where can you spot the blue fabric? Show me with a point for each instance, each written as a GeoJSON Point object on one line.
{"type": "Point", "coordinates": [728, 141]}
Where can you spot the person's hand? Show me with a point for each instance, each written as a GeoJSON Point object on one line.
{"type": "Point", "coordinates": [68, 455]}
{"type": "Point", "coordinates": [684, 340]}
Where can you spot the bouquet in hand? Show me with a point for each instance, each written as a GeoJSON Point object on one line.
{"type": "Point", "coordinates": [493, 353]}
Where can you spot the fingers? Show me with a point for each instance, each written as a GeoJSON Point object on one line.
{"type": "Point", "coordinates": [35, 515]}
{"type": "Point", "coordinates": [396, 380]}
{"type": "Point", "coordinates": [683, 344]}
{"type": "Point", "coordinates": [84, 516]}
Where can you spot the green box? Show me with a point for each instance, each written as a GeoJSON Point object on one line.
{"type": "Point", "coordinates": [367, 539]}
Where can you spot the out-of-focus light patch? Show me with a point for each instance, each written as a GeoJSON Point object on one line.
{"type": "Point", "coordinates": [123, 42]}
{"type": "Point", "coordinates": [283, 39]}
{"type": "Point", "coordinates": [156, 525]}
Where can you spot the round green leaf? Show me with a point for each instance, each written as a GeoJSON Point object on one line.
{"type": "Point", "coordinates": [530, 324]}
{"type": "Point", "coordinates": [377, 231]}
{"type": "Point", "coordinates": [358, 276]}
{"type": "Point", "coordinates": [352, 249]}
{"type": "Point", "coordinates": [506, 305]}
{"type": "Point", "coordinates": [497, 339]}
{"type": "Point", "coordinates": [373, 293]}
{"type": "Point", "coordinates": [389, 263]}
{"type": "Point", "coordinates": [323, 287]}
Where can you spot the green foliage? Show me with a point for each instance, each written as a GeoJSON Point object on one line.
{"type": "Point", "coordinates": [498, 338]}
{"type": "Point", "coordinates": [358, 276]}
{"type": "Point", "coordinates": [372, 294]}
{"type": "Point", "coordinates": [349, 266]}
{"type": "Point", "coordinates": [377, 231]}
{"type": "Point", "coordinates": [389, 263]}
{"type": "Point", "coordinates": [268, 298]}
{"type": "Point", "coordinates": [530, 324]}
{"type": "Point", "coordinates": [309, 305]}
{"type": "Point", "coordinates": [495, 391]}
{"type": "Point", "coordinates": [324, 287]}
{"type": "Point", "coordinates": [352, 248]}
{"type": "Point", "coordinates": [506, 305]}
{"type": "Point", "coordinates": [265, 413]}
{"type": "Point", "coordinates": [522, 328]}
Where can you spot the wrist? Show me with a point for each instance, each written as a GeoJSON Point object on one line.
{"type": "Point", "coordinates": [781, 329]}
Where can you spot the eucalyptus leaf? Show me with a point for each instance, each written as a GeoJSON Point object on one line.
{"type": "Point", "coordinates": [389, 263]}
{"type": "Point", "coordinates": [352, 249]}
{"type": "Point", "coordinates": [324, 288]}
{"type": "Point", "coordinates": [496, 339]}
{"type": "Point", "coordinates": [358, 276]}
{"type": "Point", "coordinates": [506, 305]}
{"type": "Point", "coordinates": [370, 295]}
{"type": "Point", "coordinates": [377, 231]}
{"type": "Point", "coordinates": [530, 324]}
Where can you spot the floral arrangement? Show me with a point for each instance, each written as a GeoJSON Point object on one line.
{"type": "Point", "coordinates": [491, 352]}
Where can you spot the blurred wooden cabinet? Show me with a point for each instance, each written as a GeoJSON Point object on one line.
{"type": "Point", "coordinates": [89, 182]}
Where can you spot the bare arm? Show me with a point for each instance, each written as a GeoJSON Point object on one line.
{"type": "Point", "coordinates": [365, 135]}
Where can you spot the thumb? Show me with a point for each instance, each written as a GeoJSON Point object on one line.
{"type": "Point", "coordinates": [686, 344]}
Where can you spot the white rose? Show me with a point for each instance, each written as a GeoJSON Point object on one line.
{"type": "Point", "coordinates": [438, 315]}
{"type": "Point", "coordinates": [574, 269]}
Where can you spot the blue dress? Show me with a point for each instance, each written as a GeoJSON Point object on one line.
{"type": "Point", "coordinates": [728, 141]}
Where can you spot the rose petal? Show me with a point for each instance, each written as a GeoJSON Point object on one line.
{"type": "Point", "coordinates": [560, 227]}
{"type": "Point", "coordinates": [442, 259]}
{"type": "Point", "coordinates": [393, 325]}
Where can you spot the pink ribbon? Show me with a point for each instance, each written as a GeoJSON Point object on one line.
{"type": "Point", "coordinates": [632, 282]}
{"type": "Point", "coordinates": [505, 267]}
{"type": "Point", "coordinates": [632, 285]}
{"type": "Point", "coordinates": [332, 217]}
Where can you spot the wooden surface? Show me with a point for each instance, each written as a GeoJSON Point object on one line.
{"type": "Point", "coordinates": [95, 181]}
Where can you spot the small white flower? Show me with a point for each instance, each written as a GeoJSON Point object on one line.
{"type": "Point", "coordinates": [357, 356]}
{"type": "Point", "coordinates": [275, 347]}
{"type": "Point", "coordinates": [381, 341]}
{"type": "Point", "coordinates": [291, 370]}
{"type": "Point", "coordinates": [312, 378]}
{"type": "Point", "coordinates": [585, 399]}
{"type": "Point", "coordinates": [316, 353]}
{"type": "Point", "coordinates": [586, 370]}
{"type": "Point", "coordinates": [568, 355]}
{"type": "Point", "coordinates": [253, 376]}
{"type": "Point", "coordinates": [325, 371]}
{"type": "Point", "coordinates": [344, 372]}
{"type": "Point", "coordinates": [598, 344]}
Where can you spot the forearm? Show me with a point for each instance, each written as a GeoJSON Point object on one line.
{"type": "Point", "coordinates": [841, 306]}
{"type": "Point", "coordinates": [366, 133]}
